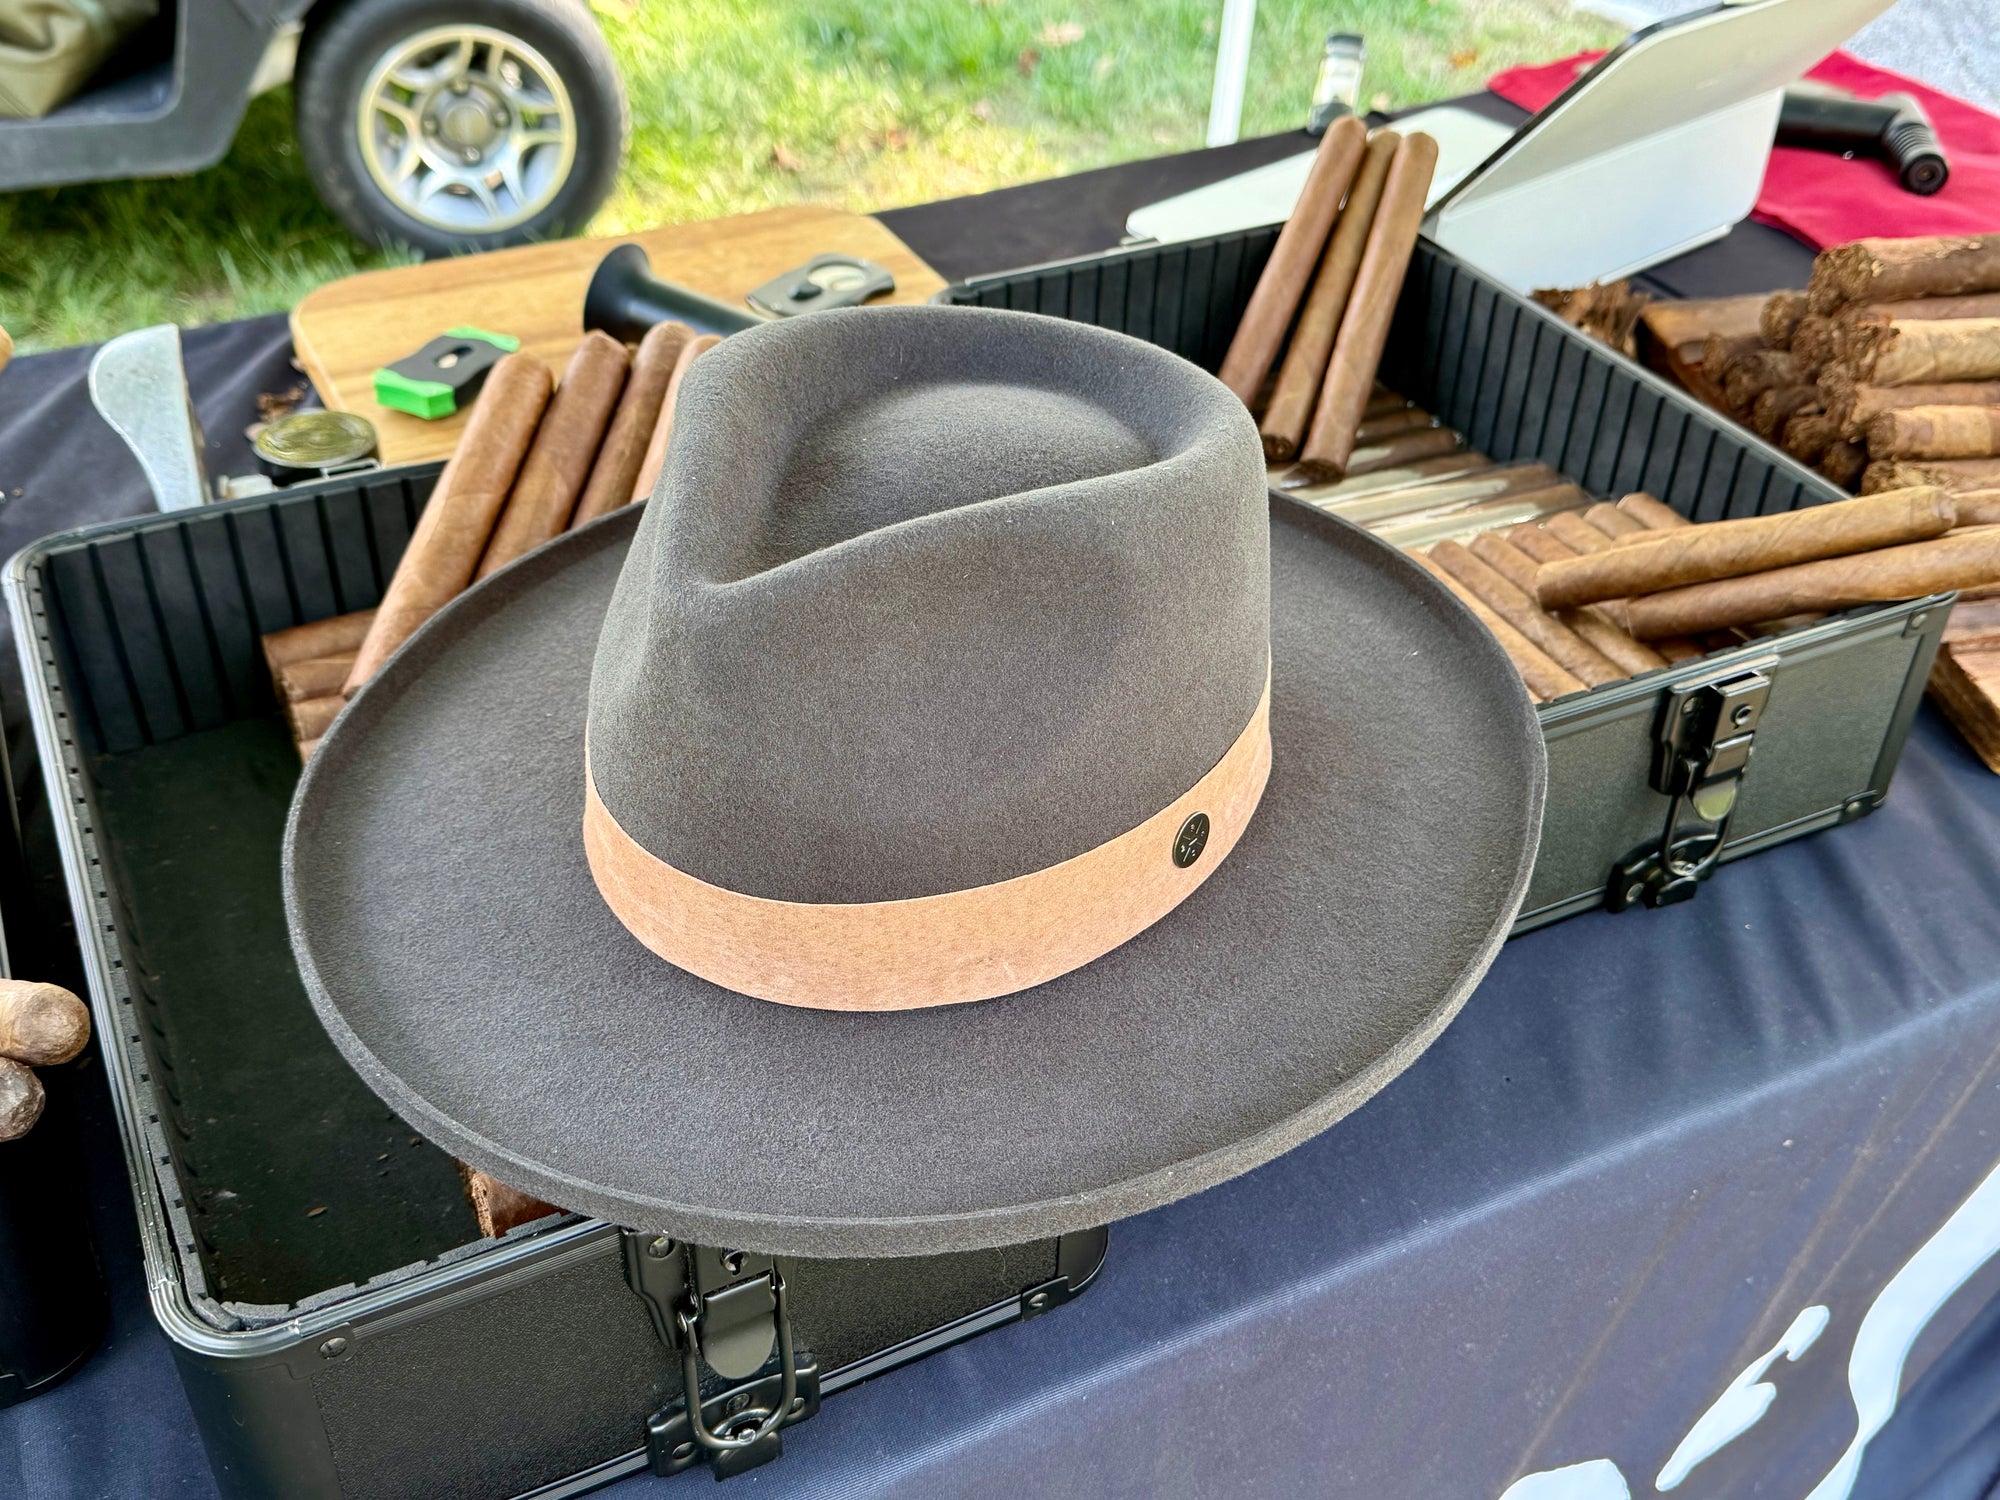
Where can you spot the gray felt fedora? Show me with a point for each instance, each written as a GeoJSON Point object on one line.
{"type": "Point", "coordinates": [959, 656]}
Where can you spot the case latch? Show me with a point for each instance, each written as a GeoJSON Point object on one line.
{"type": "Point", "coordinates": [1701, 751]}
{"type": "Point", "coordinates": [723, 1311]}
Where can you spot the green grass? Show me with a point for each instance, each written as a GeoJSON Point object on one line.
{"type": "Point", "coordinates": [746, 104]}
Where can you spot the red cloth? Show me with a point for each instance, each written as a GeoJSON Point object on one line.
{"type": "Point", "coordinates": [1824, 199]}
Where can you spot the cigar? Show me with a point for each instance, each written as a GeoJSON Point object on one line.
{"type": "Point", "coordinates": [21, 1099]}
{"type": "Point", "coordinates": [339, 635]}
{"type": "Point", "coordinates": [1977, 507]}
{"type": "Point", "coordinates": [453, 531]}
{"type": "Point", "coordinates": [1967, 559]}
{"type": "Point", "coordinates": [1954, 474]}
{"type": "Point", "coordinates": [1775, 407]}
{"type": "Point", "coordinates": [1269, 312]}
{"type": "Point", "coordinates": [1720, 350]}
{"type": "Point", "coordinates": [1652, 561]}
{"type": "Point", "coordinates": [314, 677]}
{"type": "Point", "coordinates": [306, 748]}
{"type": "Point", "coordinates": [1936, 432]}
{"type": "Point", "coordinates": [1484, 484]}
{"type": "Point", "coordinates": [1844, 463]}
{"type": "Point", "coordinates": [1691, 321]}
{"type": "Point", "coordinates": [498, 1207]}
{"type": "Point", "coordinates": [1304, 367]}
{"type": "Point", "coordinates": [1404, 448]}
{"type": "Point", "coordinates": [1654, 515]}
{"type": "Point", "coordinates": [1975, 305]}
{"type": "Point", "coordinates": [1750, 375]}
{"type": "Point", "coordinates": [1612, 521]}
{"type": "Point", "coordinates": [1808, 435]}
{"type": "Point", "coordinates": [1544, 678]}
{"type": "Point", "coordinates": [1573, 530]}
{"type": "Point", "coordinates": [559, 460]}
{"type": "Point", "coordinates": [616, 472]}
{"type": "Point", "coordinates": [1814, 344]}
{"type": "Point", "coordinates": [1576, 656]}
{"type": "Point", "coordinates": [1364, 329]}
{"type": "Point", "coordinates": [1453, 522]}
{"type": "Point", "coordinates": [312, 717]}
{"type": "Point", "coordinates": [1391, 424]}
{"type": "Point", "coordinates": [1382, 401]}
{"type": "Point", "coordinates": [1854, 405]}
{"type": "Point", "coordinates": [1597, 628]}
{"type": "Point", "coordinates": [663, 427]}
{"type": "Point", "coordinates": [1301, 485]}
{"type": "Point", "coordinates": [1780, 318]}
{"type": "Point", "coordinates": [41, 1024]}
{"type": "Point", "coordinates": [1876, 270]}
{"type": "Point", "coordinates": [1909, 352]}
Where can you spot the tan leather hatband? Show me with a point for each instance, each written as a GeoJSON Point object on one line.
{"type": "Point", "coordinates": [970, 944]}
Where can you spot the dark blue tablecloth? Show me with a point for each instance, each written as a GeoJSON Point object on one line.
{"type": "Point", "coordinates": [1681, 1202]}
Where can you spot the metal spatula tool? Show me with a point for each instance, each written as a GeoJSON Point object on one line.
{"type": "Point", "coordinates": [139, 385]}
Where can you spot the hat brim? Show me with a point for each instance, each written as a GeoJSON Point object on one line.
{"type": "Point", "coordinates": [458, 953]}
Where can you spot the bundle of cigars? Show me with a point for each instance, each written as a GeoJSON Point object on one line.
{"type": "Point", "coordinates": [537, 458]}
{"type": "Point", "coordinates": [1882, 373]}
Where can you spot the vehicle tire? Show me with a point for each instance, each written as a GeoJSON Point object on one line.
{"type": "Point", "coordinates": [450, 125]}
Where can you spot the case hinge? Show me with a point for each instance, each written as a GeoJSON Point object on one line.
{"type": "Point", "coordinates": [1701, 752]}
{"type": "Point", "coordinates": [723, 1312]}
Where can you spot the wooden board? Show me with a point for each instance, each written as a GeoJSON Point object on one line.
{"type": "Point", "coordinates": [346, 330]}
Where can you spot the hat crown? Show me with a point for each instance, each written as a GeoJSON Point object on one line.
{"type": "Point", "coordinates": [928, 599]}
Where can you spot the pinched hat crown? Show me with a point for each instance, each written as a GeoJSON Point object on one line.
{"type": "Point", "coordinates": [940, 661]}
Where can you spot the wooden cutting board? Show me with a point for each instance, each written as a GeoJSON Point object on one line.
{"type": "Point", "coordinates": [346, 330]}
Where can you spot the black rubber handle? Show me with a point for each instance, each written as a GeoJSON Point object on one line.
{"type": "Point", "coordinates": [625, 299]}
{"type": "Point", "coordinates": [1893, 129]}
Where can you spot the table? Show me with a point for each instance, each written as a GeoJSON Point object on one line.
{"type": "Point", "coordinates": [1651, 1145]}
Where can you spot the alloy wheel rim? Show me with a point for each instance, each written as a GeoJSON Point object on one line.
{"type": "Point", "coordinates": [466, 129]}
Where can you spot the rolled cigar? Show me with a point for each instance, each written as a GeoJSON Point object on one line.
{"type": "Point", "coordinates": [1512, 604]}
{"type": "Point", "coordinates": [1300, 485]}
{"type": "Point", "coordinates": [559, 460]}
{"type": "Point", "coordinates": [498, 1207]}
{"type": "Point", "coordinates": [1778, 405]}
{"type": "Point", "coordinates": [1965, 560]}
{"type": "Point", "coordinates": [1612, 521]}
{"type": "Point", "coordinates": [1462, 521]}
{"type": "Point", "coordinates": [1487, 484]}
{"type": "Point", "coordinates": [1844, 463]}
{"type": "Point", "coordinates": [1390, 424]}
{"type": "Point", "coordinates": [1719, 350]}
{"type": "Point", "coordinates": [1654, 515]}
{"type": "Point", "coordinates": [1364, 329]}
{"type": "Point", "coordinates": [453, 531]}
{"type": "Point", "coordinates": [1748, 376]}
{"type": "Point", "coordinates": [41, 1024]}
{"type": "Point", "coordinates": [1780, 318]}
{"type": "Point", "coordinates": [312, 717]}
{"type": "Point", "coordinates": [1269, 312]}
{"type": "Point", "coordinates": [337, 635]}
{"type": "Point", "coordinates": [314, 677]}
{"type": "Point", "coordinates": [1854, 405]}
{"type": "Point", "coordinates": [1973, 305]}
{"type": "Point", "coordinates": [21, 1099]}
{"type": "Point", "coordinates": [616, 471]}
{"type": "Point", "coordinates": [1808, 435]}
{"type": "Point", "coordinates": [1936, 432]}
{"type": "Point", "coordinates": [1383, 401]}
{"type": "Point", "coordinates": [1692, 320]}
{"type": "Point", "coordinates": [1875, 270]}
{"type": "Point", "coordinates": [1304, 367]}
{"type": "Point", "coordinates": [1652, 561]}
{"type": "Point", "coordinates": [1573, 530]}
{"type": "Point", "coordinates": [1946, 349]}
{"type": "Point", "coordinates": [1597, 628]}
{"type": "Point", "coordinates": [663, 427]}
{"type": "Point", "coordinates": [1814, 343]}
{"type": "Point", "coordinates": [1402, 449]}
{"type": "Point", "coordinates": [1954, 474]}
{"type": "Point", "coordinates": [1977, 507]}
{"type": "Point", "coordinates": [1543, 677]}
{"type": "Point", "coordinates": [306, 748]}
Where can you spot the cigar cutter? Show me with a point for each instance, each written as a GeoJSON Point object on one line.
{"type": "Point", "coordinates": [444, 375]}
{"type": "Point", "coordinates": [822, 282]}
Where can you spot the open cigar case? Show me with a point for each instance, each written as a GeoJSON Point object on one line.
{"type": "Point", "coordinates": [341, 1327]}
{"type": "Point", "coordinates": [1655, 780]}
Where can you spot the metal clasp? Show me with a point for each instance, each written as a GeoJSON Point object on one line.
{"type": "Point", "coordinates": [726, 1309]}
{"type": "Point", "coordinates": [1701, 751]}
